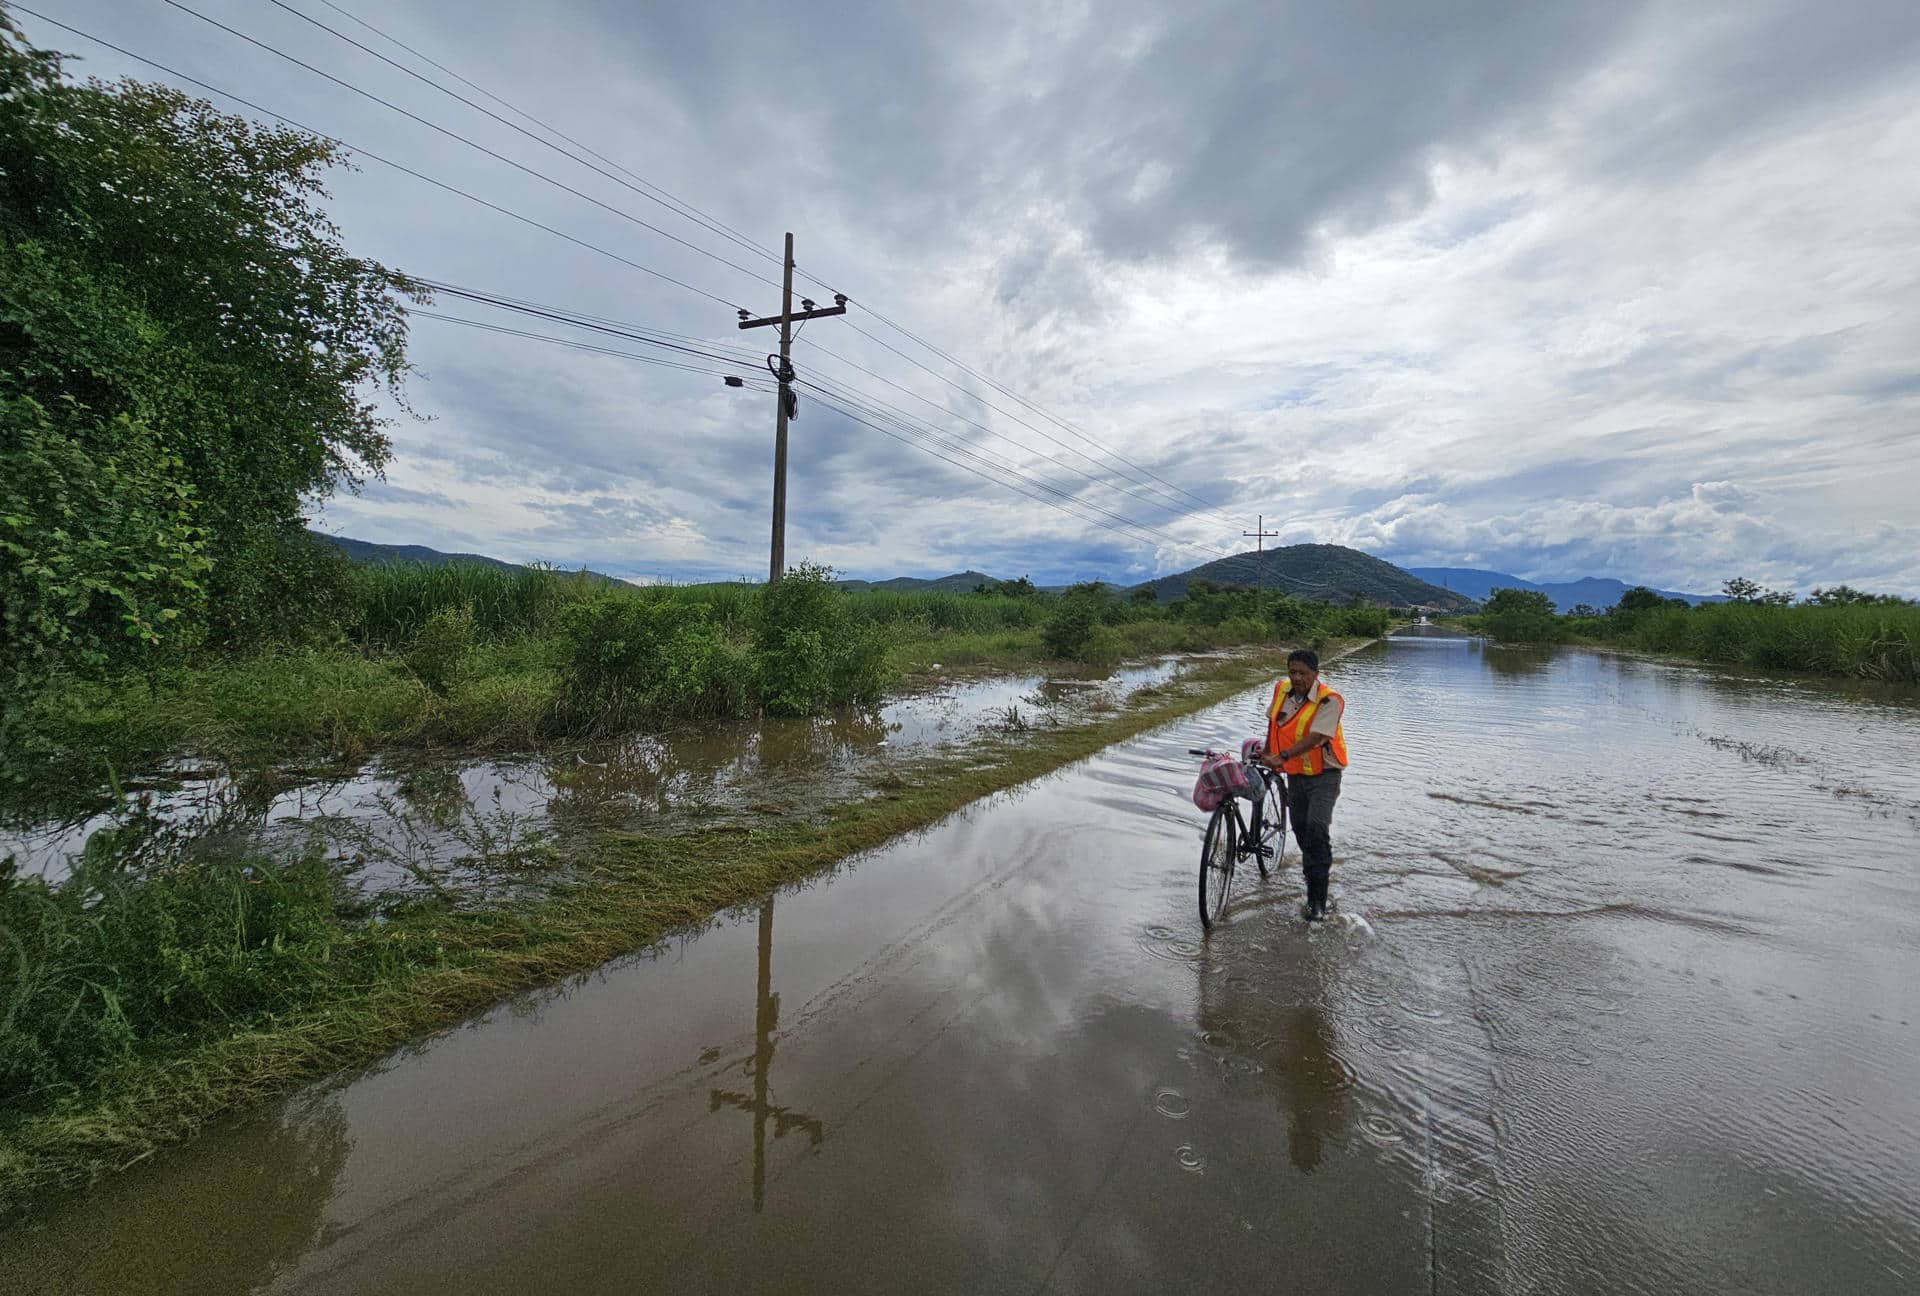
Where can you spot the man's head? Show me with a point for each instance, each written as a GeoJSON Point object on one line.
{"type": "Point", "coordinates": [1303, 668]}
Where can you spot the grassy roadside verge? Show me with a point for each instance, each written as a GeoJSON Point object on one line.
{"type": "Point", "coordinates": [637, 889]}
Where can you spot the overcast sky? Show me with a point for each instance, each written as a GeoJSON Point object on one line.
{"type": "Point", "coordinates": [1558, 289]}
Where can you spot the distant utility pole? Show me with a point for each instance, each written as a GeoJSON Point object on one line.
{"type": "Point", "coordinates": [788, 405]}
{"type": "Point", "coordinates": [1260, 536]}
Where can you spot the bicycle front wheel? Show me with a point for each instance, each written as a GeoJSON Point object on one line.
{"type": "Point", "coordinates": [1216, 862]}
{"type": "Point", "coordinates": [1273, 830]}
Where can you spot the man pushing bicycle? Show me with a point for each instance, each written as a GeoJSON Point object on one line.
{"type": "Point", "coordinates": [1305, 742]}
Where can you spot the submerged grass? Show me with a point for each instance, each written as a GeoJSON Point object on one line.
{"type": "Point", "coordinates": [345, 989]}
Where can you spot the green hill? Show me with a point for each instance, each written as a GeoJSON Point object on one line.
{"type": "Point", "coordinates": [370, 552]}
{"type": "Point", "coordinates": [958, 583]}
{"type": "Point", "coordinates": [1332, 573]}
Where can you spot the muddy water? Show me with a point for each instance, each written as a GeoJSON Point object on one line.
{"type": "Point", "coordinates": [466, 825]}
{"type": "Point", "coordinates": [1624, 999]}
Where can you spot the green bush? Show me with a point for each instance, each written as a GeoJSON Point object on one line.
{"type": "Point", "coordinates": [1106, 647]}
{"type": "Point", "coordinates": [1070, 627]}
{"type": "Point", "coordinates": [810, 653]}
{"type": "Point", "coordinates": [629, 657]}
{"type": "Point", "coordinates": [1521, 616]}
{"type": "Point", "coordinates": [440, 647]}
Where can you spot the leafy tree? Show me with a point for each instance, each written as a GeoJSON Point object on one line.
{"type": "Point", "coordinates": [1640, 599]}
{"type": "Point", "coordinates": [1740, 590]}
{"type": "Point", "coordinates": [1521, 616]}
{"type": "Point", "coordinates": [1775, 598]}
{"type": "Point", "coordinates": [187, 353]}
{"type": "Point", "coordinates": [1586, 610]}
{"type": "Point", "coordinates": [1143, 596]}
{"type": "Point", "coordinates": [1022, 588]}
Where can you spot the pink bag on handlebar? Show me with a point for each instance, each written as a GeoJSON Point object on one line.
{"type": "Point", "coordinates": [1221, 776]}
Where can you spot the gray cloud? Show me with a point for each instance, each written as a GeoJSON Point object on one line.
{"type": "Point", "coordinates": [1561, 287]}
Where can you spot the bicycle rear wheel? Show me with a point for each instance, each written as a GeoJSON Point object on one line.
{"type": "Point", "coordinates": [1216, 862]}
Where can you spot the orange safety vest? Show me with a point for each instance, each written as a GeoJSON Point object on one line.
{"type": "Point", "coordinates": [1284, 734]}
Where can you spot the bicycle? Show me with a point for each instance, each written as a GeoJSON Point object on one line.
{"type": "Point", "coordinates": [1227, 840]}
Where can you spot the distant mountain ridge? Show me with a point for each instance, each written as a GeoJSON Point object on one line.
{"type": "Point", "coordinates": [1595, 591]}
{"type": "Point", "coordinates": [1331, 573]}
{"type": "Point", "coordinates": [370, 551]}
{"type": "Point", "coordinates": [959, 583]}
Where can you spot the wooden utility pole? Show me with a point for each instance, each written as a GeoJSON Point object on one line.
{"type": "Point", "coordinates": [1260, 536]}
{"type": "Point", "coordinates": [786, 403]}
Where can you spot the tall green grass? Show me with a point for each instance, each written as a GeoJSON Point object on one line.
{"type": "Point", "coordinates": [1879, 642]}
{"type": "Point", "coordinates": [393, 602]}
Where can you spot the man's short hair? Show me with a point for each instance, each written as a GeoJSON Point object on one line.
{"type": "Point", "coordinates": [1306, 657]}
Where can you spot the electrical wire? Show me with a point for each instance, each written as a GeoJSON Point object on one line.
{"type": "Point", "coordinates": [371, 155]}
{"type": "Point", "coordinates": [705, 219]}
{"type": "Point", "coordinates": [690, 212]}
{"type": "Point", "coordinates": [895, 415]}
{"type": "Point", "coordinates": [521, 167]}
{"type": "Point", "coordinates": [587, 317]}
{"type": "Point", "coordinates": [514, 126]}
{"type": "Point", "coordinates": [1122, 488]}
{"type": "Point", "coordinates": [1038, 499]}
{"type": "Point", "coordinates": [487, 299]}
{"type": "Point", "coordinates": [570, 343]}
{"type": "Point", "coordinates": [852, 406]}
{"type": "Point", "coordinates": [1066, 501]}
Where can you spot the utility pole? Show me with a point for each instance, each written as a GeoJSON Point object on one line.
{"type": "Point", "coordinates": [1260, 536]}
{"type": "Point", "coordinates": [787, 405]}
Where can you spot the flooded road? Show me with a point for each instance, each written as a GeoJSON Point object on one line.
{"type": "Point", "coordinates": [1632, 1008]}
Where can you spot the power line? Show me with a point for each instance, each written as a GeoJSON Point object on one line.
{"type": "Point", "coordinates": [1013, 395]}
{"type": "Point", "coordinates": [897, 416]}
{"type": "Point", "coordinates": [1010, 415]}
{"type": "Point", "coordinates": [584, 318]}
{"type": "Point", "coordinates": [852, 405]}
{"type": "Point", "coordinates": [681, 208]}
{"type": "Point", "coordinates": [871, 404]}
{"type": "Point", "coordinates": [370, 154]}
{"type": "Point", "coordinates": [513, 126]}
{"type": "Point", "coordinates": [705, 219]}
{"type": "Point", "coordinates": [623, 260]}
{"type": "Point", "coordinates": [954, 414]}
{"type": "Point", "coordinates": [831, 404]}
{"type": "Point", "coordinates": [487, 299]}
{"type": "Point", "coordinates": [472, 144]}
{"type": "Point", "coordinates": [568, 342]}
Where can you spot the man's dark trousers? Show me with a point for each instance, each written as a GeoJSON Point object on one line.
{"type": "Point", "coordinates": [1310, 799]}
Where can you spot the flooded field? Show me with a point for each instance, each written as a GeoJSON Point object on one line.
{"type": "Point", "coordinates": [1624, 1000]}
{"type": "Point", "coordinates": [487, 826]}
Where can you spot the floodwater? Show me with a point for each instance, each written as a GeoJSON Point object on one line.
{"type": "Point", "coordinates": [466, 826]}
{"type": "Point", "coordinates": [1623, 999]}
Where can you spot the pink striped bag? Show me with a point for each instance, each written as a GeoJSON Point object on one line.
{"type": "Point", "coordinates": [1221, 776]}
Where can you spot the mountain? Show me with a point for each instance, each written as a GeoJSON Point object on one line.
{"type": "Point", "coordinates": [1595, 591]}
{"type": "Point", "coordinates": [958, 583]}
{"type": "Point", "coordinates": [369, 552]}
{"type": "Point", "coordinates": [1332, 573]}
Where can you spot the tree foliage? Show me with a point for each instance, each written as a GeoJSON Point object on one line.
{"type": "Point", "coordinates": [187, 353]}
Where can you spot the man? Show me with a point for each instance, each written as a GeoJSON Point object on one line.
{"type": "Point", "coordinates": [1305, 742]}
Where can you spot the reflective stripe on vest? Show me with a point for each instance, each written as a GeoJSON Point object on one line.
{"type": "Point", "coordinates": [1284, 734]}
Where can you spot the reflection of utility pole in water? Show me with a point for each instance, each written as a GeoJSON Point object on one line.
{"type": "Point", "coordinates": [766, 1020]}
